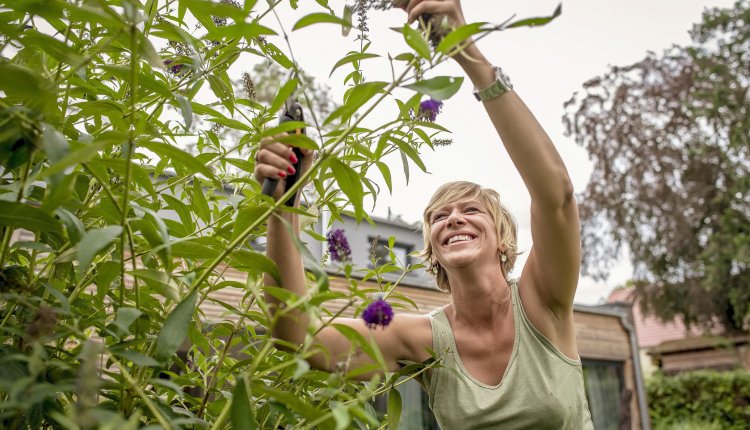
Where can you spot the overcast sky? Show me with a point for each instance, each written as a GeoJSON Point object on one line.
{"type": "Point", "coordinates": [547, 65]}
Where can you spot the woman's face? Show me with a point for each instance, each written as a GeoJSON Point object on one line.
{"type": "Point", "coordinates": [463, 233]}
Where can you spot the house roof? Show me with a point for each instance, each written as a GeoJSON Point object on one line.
{"type": "Point", "coordinates": [650, 330]}
{"type": "Point", "coordinates": [698, 343]}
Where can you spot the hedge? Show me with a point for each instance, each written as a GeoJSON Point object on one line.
{"type": "Point", "coordinates": [719, 398]}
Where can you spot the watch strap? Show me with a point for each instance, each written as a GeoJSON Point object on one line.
{"type": "Point", "coordinates": [501, 86]}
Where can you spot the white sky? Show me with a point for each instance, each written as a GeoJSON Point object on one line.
{"type": "Point", "coordinates": [546, 65]}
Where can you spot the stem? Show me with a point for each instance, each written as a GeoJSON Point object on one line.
{"type": "Point", "coordinates": [126, 185]}
{"type": "Point", "coordinates": [8, 231]}
{"type": "Point", "coordinates": [214, 376]}
{"type": "Point", "coordinates": [135, 387]}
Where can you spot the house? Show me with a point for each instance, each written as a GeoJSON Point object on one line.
{"type": "Point", "coordinates": [606, 339]}
{"type": "Point", "coordinates": [671, 347]}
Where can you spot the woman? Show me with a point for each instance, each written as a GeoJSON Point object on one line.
{"type": "Point", "coordinates": [511, 359]}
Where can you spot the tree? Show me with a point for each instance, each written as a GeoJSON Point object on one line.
{"type": "Point", "coordinates": [669, 137]}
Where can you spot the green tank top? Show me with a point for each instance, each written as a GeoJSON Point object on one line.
{"type": "Point", "coordinates": [541, 388]}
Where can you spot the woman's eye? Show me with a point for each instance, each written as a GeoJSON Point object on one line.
{"type": "Point", "coordinates": [438, 217]}
{"type": "Point", "coordinates": [471, 210]}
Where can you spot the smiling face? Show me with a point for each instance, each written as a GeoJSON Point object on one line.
{"type": "Point", "coordinates": [466, 224]}
{"type": "Point", "coordinates": [463, 233]}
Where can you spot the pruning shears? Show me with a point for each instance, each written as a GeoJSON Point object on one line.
{"type": "Point", "coordinates": [292, 112]}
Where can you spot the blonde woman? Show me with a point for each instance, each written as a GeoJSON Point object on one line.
{"type": "Point", "coordinates": [511, 359]}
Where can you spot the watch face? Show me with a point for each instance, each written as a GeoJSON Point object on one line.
{"type": "Point", "coordinates": [503, 78]}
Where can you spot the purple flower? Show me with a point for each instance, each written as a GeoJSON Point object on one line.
{"type": "Point", "coordinates": [378, 313]}
{"type": "Point", "coordinates": [338, 246]}
{"type": "Point", "coordinates": [429, 109]}
{"type": "Point", "coordinates": [173, 68]}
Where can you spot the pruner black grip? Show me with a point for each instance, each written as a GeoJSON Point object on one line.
{"type": "Point", "coordinates": [293, 113]}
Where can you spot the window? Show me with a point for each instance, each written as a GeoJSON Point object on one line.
{"type": "Point", "coordinates": [415, 409]}
{"type": "Point", "coordinates": [379, 251]}
{"type": "Point", "coordinates": [605, 391]}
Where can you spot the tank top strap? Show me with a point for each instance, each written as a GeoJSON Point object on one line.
{"type": "Point", "coordinates": [442, 341]}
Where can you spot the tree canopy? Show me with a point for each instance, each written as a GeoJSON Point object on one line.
{"type": "Point", "coordinates": [669, 137]}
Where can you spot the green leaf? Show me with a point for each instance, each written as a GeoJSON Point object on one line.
{"type": "Point", "coordinates": [175, 328]}
{"type": "Point", "coordinates": [186, 109]}
{"type": "Point", "coordinates": [439, 88]}
{"type": "Point", "coordinates": [160, 280]}
{"type": "Point", "coordinates": [405, 164]}
{"type": "Point", "coordinates": [124, 318]}
{"type": "Point", "coordinates": [394, 408]}
{"type": "Point", "coordinates": [302, 367]}
{"type": "Point", "coordinates": [54, 47]}
{"type": "Point", "coordinates": [458, 35]}
{"type": "Point", "coordinates": [284, 93]}
{"type": "Point", "coordinates": [179, 158]}
{"type": "Point", "coordinates": [417, 42]}
{"type": "Point", "coordinates": [386, 172]}
{"type": "Point", "coordinates": [535, 22]}
{"type": "Point", "coordinates": [21, 85]}
{"type": "Point", "coordinates": [194, 249]}
{"type": "Point", "coordinates": [156, 233]}
{"type": "Point", "coordinates": [149, 53]}
{"type": "Point", "coordinates": [320, 17]}
{"type": "Point", "coordinates": [409, 150]}
{"type": "Point", "coordinates": [253, 261]}
{"type": "Point", "coordinates": [137, 358]}
{"type": "Point", "coordinates": [289, 399]}
{"type": "Point", "coordinates": [276, 55]}
{"type": "Point", "coordinates": [200, 205]}
{"type": "Point", "coordinates": [299, 140]}
{"type": "Point", "coordinates": [358, 340]}
{"type": "Point", "coordinates": [82, 155]}
{"type": "Point", "coordinates": [54, 143]}
{"type": "Point", "coordinates": [354, 56]}
{"type": "Point", "coordinates": [341, 416]}
{"type": "Point", "coordinates": [220, 89]}
{"type": "Point", "coordinates": [349, 182]}
{"type": "Point", "coordinates": [21, 215]}
{"type": "Point", "coordinates": [72, 224]}
{"type": "Point", "coordinates": [183, 211]}
{"type": "Point", "coordinates": [105, 274]}
{"type": "Point", "coordinates": [241, 414]}
{"type": "Point", "coordinates": [246, 215]}
{"type": "Point", "coordinates": [347, 16]}
{"type": "Point", "coordinates": [355, 99]}
{"type": "Point", "coordinates": [92, 243]}
{"type": "Point", "coordinates": [146, 81]}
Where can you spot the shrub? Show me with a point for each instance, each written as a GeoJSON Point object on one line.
{"type": "Point", "coordinates": [721, 399]}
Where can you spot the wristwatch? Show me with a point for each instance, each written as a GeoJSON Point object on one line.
{"type": "Point", "coordinates": [501, 86]}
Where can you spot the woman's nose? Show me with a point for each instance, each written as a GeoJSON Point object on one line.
{"type": "Point", "coordinates": [455, 217]}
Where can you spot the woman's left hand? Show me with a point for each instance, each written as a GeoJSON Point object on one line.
{"type": "Point", "coordinates": [449, 8]}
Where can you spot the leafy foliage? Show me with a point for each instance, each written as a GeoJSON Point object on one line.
{"type": "Point", "coordinates": [125, 207]}
{"type": "Point", "coordinates": [720, 399]}
{"type": "Point", "coordinates": [670, 140]}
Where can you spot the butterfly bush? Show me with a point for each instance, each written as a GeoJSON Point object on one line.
{"type": "Point", "coordinates": [132, 281]}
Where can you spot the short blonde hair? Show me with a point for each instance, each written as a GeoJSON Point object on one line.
{"type": "Point", "coordinates": [505, 224]}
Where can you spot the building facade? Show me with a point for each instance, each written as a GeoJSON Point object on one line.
{"type": "Point", "coordinates": [606, 341]}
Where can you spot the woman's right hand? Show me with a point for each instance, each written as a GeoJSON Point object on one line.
{"type": "Point", "coordinates": [275, 160]}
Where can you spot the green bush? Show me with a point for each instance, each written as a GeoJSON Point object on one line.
{"type": "Point", "coordinates": [716, 398]}
{"type": "Point", "coordinates": [115, 113]}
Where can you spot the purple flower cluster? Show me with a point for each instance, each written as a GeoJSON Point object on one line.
{"type": "Point", "coordinates": [378, 313]}
{"type": "Point", "coordinates": [429, 109]}
{"type": "Point", "coordinates": [338, 246]}
{"type": "Point", "coordinates": [172, 67]}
